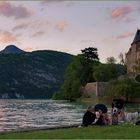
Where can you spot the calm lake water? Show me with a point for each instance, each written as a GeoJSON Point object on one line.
{"type": "Point", "coordinates": [22, 114]}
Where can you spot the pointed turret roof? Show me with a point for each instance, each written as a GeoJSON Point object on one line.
{"type": "Point", "coordinates": [137, 37]}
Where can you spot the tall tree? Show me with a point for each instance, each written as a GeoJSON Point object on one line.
{"type": "Point", "coordinates": [90, 53]}
{"type": "Point", "coordinates": [78, 73]}
{"type": "Point", "coordinates": [76, 76]}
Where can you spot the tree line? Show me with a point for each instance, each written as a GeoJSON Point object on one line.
{"type": "Point", "coordinates": [86, 67]}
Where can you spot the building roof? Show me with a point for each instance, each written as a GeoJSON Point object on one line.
{"type": "Point", "coordinates": [137, 37]}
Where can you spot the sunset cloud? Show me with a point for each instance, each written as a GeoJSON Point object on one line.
{"type": "Point", "coordinates": [121, 12]}
{"type": "Point", "coordinates": [125, 35]}
{"type": "Point", "coordinates": [6, 37]}
{"type": "Point", "coordinates": [39, 33]}
{"type": "Point", "coordinates": [9, 10]}
{"type": "Point", "coordinates": [34, 25]}
{"type": "Point", "coordinates": [20, 26]}
{"type": "Point", "coordinates": [61, 25]}
{"type": "Point", "coordinates": [28, 49]}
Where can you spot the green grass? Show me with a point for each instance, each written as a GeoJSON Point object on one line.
{"type": "Point", "coordinates": [94, 100]}
{"type": "Point", "coordinates": [94, 132]}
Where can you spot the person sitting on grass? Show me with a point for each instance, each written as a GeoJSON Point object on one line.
{"type": "Point", "coordinates": [103, 111]}
{"type": "Point", "coordinates": [99, 118]}
{"type": "Point", "coordinates": [89, 116]}
{"type": "Point", "coordinates": [117, 111]}
{"type": "Point", "coordinates": [95, 116]}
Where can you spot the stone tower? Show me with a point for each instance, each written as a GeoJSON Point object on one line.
{"type": "Point", "coordinates": [133, 56]}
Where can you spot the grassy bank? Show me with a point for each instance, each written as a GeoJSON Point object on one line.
{"type": "Point", "coordinates": [94, 132]}
{"type": "Point", "coordinates": [94, 100]}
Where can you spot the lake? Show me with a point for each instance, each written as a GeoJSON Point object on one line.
{"type": "Point", "coordinates": [28, 114]}
{"type": "Point", "coordinates": [24, 114]}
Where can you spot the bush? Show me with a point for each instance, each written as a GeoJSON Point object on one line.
{"type": "Point", "coordinates": [126, 87]}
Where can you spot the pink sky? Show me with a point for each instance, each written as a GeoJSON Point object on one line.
{"type": "Point", "coordinates": [70, 26]}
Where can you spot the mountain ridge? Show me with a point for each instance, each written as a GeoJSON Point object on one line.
{"type": "Point", "coordinates": [11, 49]}
{"type": "Point", "coordinates": [32, 75]}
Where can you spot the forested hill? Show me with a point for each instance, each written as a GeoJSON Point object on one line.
{"type": "Point", "coordinates": [32, 75]}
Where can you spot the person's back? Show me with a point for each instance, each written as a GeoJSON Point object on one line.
{"type": "Point", "coordinates": [88, 118]}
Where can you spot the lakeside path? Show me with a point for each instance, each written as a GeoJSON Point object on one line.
{"type": "Point", "coordinates": [126, 131]}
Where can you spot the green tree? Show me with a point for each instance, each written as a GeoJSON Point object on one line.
{"type": "Point", "coordinates": [125, 87]}
{"type": "Point", "coordinates": [90, 53]}
{"type": "Point", "coordinates": [78, 73]}
{"type": "Point", "coordinates": [81, 72]}
{"type": "Point", "coordinates": [106, 72]}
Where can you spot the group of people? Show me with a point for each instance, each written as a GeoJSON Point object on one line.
{"type": "Point", "coordinates": [98, 114]}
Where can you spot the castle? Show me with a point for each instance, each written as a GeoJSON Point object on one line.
{"type": "Point", "coordinates": [133, 56]}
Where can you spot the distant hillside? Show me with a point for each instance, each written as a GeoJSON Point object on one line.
{"type": "Point", "coordinates": [11, 49]}
{"type": "Point", "coordinates": [32, 75]}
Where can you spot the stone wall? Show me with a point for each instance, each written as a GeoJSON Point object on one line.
{"type": "Point", "coordinates": [101, 88]}
{"type": "Point", "coordinates": [97, 88]}
{"type": "Point", "coordinates": [90, 88]}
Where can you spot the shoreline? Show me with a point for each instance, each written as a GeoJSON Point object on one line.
{"type": "Point", "coordinates": [41, 128]}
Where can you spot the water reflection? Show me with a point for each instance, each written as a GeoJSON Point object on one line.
{"type": "Point", "coordinates": [21, 114]}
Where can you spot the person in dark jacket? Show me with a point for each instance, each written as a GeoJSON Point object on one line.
{"type": "Point", "coordinates": [89, 117]}
{"type": "Point", "coordinates": [118, 103]}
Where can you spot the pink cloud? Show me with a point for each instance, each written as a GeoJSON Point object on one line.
{"type": "Point", "coordinates": [28, 49]}
{"type": "Point", "coordinates": [9, 10]}
{"type": "Point", "coordinates": [6, 37]}
{"type": "Point", "coordinates": [39, 24]}
{"type": "Point", "coordinates": [39, 33]}
{"type": "Point", "coordinates": [121, 12]}
{"type": "Point", "coordinates": [20, 26]}
{"type": "Point", "coordinates": [33, 25]}
{"type": "Point", "coordinates": [125, 35]}
{"type": "Point", "coordinates": [61, 25]}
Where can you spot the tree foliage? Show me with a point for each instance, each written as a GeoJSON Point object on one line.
{"type": "Point", "coordinates": [78, 73]}
{"type": "Point", "coordinates": [90, 53]}
{"type": "Point", "coordinates": [106, 72]}
{"type": "Point", "coordinates": [125, 87]}
{"type": "Point", "coordinates": [86, 68]}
